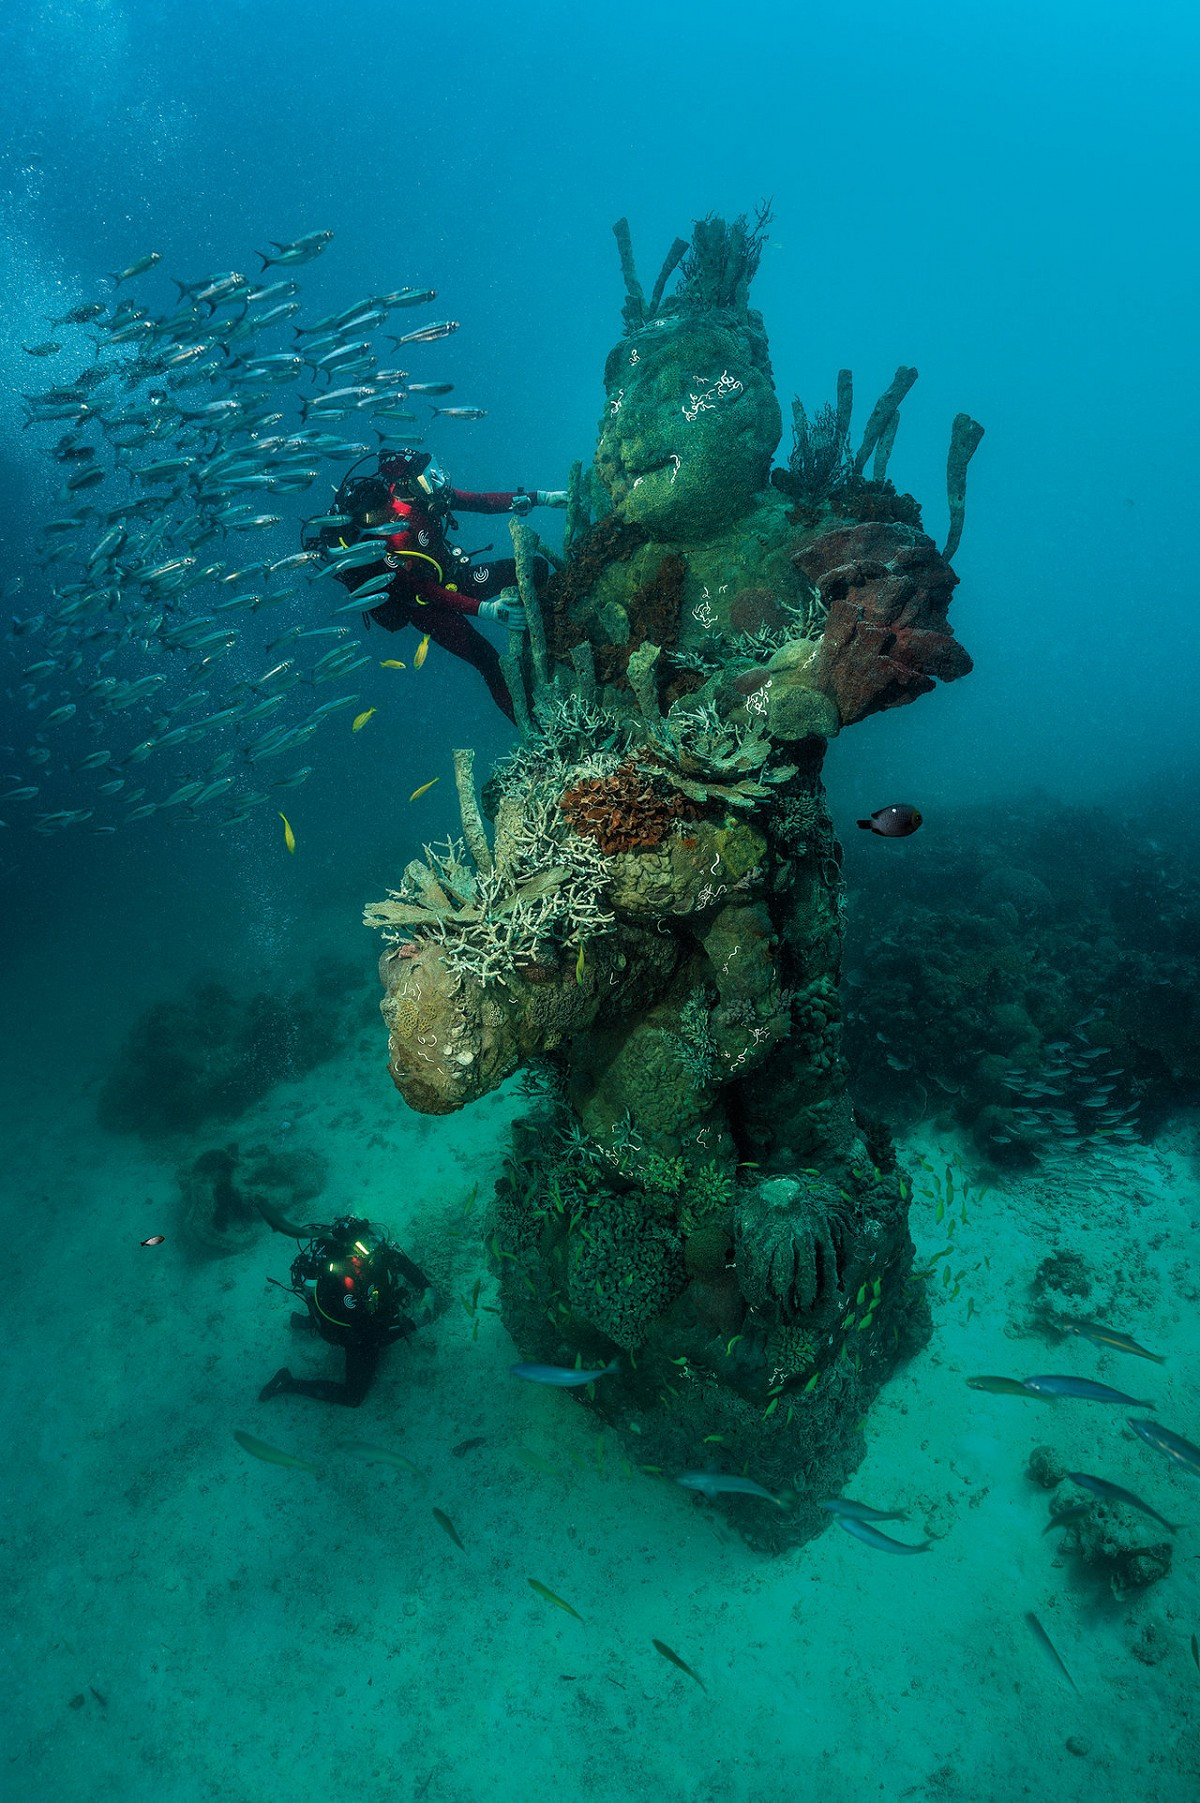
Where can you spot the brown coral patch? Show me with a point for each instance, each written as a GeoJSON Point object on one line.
{"type": "Point", "coordinates": [611, 540]}
{"type": "Point", "coordinates": [626, 811]}
{"type": "Point", "coordinates": [653, 611]}
{"type": "Point", "coordinates": [653, 608]}
{"type": "Point", "coordinates": [886, 637]}
{"type": "Point", "coordinates": [756, 610]}
{"type": "Point", "coordinates": [859, 501]}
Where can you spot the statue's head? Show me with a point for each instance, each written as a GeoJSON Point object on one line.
{"type": "Point", "coordinates": [691, 421]}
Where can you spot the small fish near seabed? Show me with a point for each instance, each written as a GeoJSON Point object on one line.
{"type": "Point", "coordinates": [1114, 1493]}
{"type": "Point", "coordinates": [1003, 1386]}
{"type": "Point", "coordinates": [562, 1377]}
{"type": "Point", "coordinates": [896, 821]}
{"type": "Point", "coordinates": [1110, 1336]}
{"type": "Point", "coordinates": [383, 1455]}
{"type": "Point", "coordinates": [1048, 1647]}
{"type": "Point", "coordinates": [448, 1527]}
{"type": "Point", "coordinates": [718, 1483]}
{"type": "Point", "coordinates": [271, 1455]}
{"type": "Point", "coordinates": [1082, 1389]}
{"type": "Point", "coordinates": [550, 1597]}
{"type": "Point", "coordinates": [856, 1511]}
{"type": "Point", "coordinates": [1172, 1446]}
{"type": "Point", "coordinates": [156, 1239]}
{"type": "Point", "coordinates": [871, 1536]}
{"type": "Point", "coordinates": [661, 1647]}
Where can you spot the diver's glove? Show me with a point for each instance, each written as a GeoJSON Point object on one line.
{"type": "Point", "coordinates": [550, 497]}
{"type": "Point", "coordinates": [521, 503]}
{"type": "Point", "coordinates": [506, 609]}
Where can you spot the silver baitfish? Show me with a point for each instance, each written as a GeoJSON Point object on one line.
{"type": "Point", "coordinates": [1100, 1486]}
{"type": "Point", "coordinates": [842, 1507]}
{"type": "Point", "coordinates": [871, 1536]}
{"type": "Point", "coordinates": [1082, 1388]}
{"type": "Point", "coordinates": [1173, 1446]}
{"type": "Point", "coordinates": [562, 1377]}
{"type": "Point", "coordinates": [716, 1483]}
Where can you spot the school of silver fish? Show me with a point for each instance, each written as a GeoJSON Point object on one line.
{"type": "Point", "coordinates": [150, 671]}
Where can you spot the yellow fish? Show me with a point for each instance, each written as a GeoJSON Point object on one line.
{"type": "Point", "coordinates": [660, 1646]}
{"type": "Point", "coordinates": [392, 663]}
{"type": "Point", "coordinates": [425, 787]}
{"type": "Point", "coordinates": [551, 1598]}
{"type": "Point", "coordinates": [579, 964]}
{"type": "Point", "coordinates": [289, 837]}
{"type": "Point", "coordinates": [271, 1455]}
{"type": "Point", "coordinates": [422, 652]}
{"type": "Point", "coordinates": [360, 720]}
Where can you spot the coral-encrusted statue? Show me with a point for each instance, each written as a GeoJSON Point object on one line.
{"type": "Point", "coordinates": [656, 924]}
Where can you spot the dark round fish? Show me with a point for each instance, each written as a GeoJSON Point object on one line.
{"type": "Point", "coordinates": [896, 821]}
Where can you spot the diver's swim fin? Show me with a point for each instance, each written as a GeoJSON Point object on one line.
{"type": "Point", "coordinates": [280, 1225]}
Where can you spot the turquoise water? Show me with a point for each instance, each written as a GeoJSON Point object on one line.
{"type": "Point", "coordinates": [1003, 205]}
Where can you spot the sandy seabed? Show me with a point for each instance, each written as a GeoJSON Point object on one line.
{"type": "Point", "coordinates": [187, 1623]}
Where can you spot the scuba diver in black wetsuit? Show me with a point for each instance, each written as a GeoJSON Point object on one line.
{"type": "Point", "coordinates": [357, 1287]}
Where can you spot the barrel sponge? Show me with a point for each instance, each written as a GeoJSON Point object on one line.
{"type": "Point", "coordinates": [786, 1244]}
{"type": "Point", "coordinates": [624, 1268]}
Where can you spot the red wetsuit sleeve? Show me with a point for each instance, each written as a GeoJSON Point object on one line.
{"type": "Point", "coordinates": [486, 503]}
{"type": "Point", "coordinates": [445, 597]}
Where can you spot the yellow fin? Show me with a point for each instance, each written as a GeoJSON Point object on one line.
{"type": "Point", "coordinates": [360, 720]}
{"type": "Point", "coordinates": [289, 837]}
{"type": "Point", "coordinates": [422, 652]}
{"type": "Point", "coordinates": [425, 787]}
{"type": "Point", "coordinates": [392, 663]}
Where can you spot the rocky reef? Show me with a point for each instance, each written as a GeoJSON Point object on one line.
{"type": "Point", "coordinates": [653, 927]}
{"type": "Point", "coordinates": [1030, 980]}
{"type": "Point", "coordinates": [208, 1054]}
